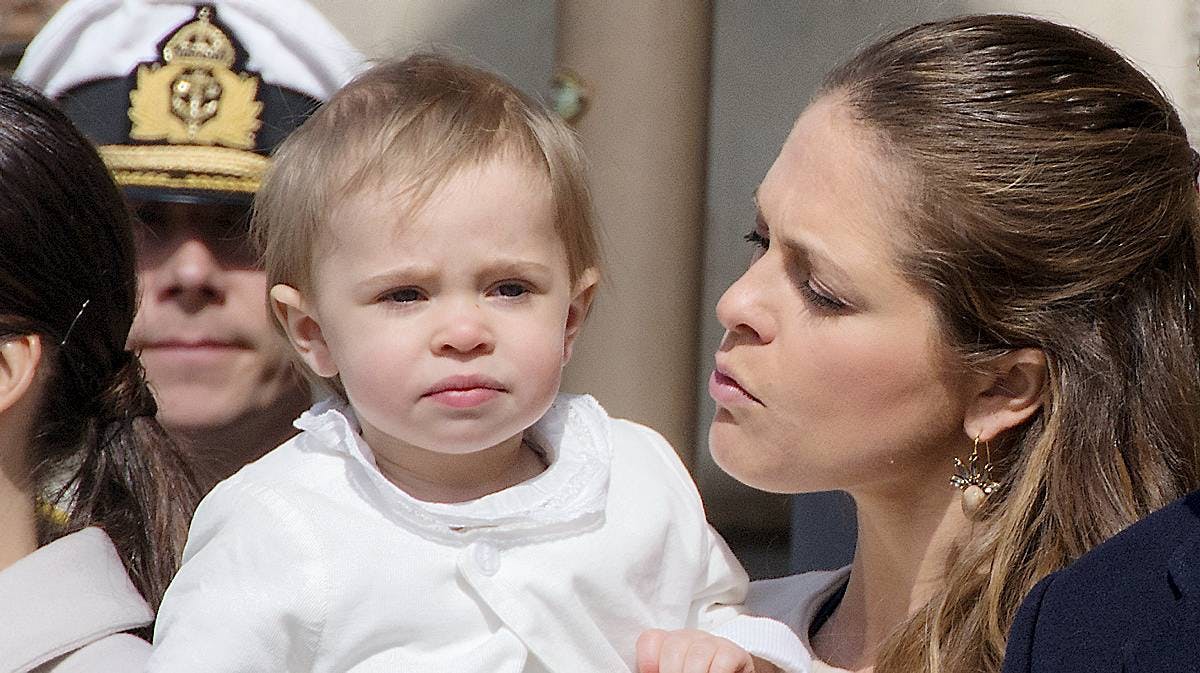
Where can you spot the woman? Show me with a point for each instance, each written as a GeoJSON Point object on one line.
{"type": "Point", "coordinates": [95, 500]}
{"type": "Point", "coordinates": [978, 260]}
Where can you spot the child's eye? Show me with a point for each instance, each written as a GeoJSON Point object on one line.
{"type": "Point", "coordinates": [757, 239]}
{"type": "Point", "coordinates": [403, 295]}
{"type": "Point", "coordinates": [511, 289]}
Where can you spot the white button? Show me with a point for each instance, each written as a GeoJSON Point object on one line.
{"type": "Point", "coordinates": [487, 558]}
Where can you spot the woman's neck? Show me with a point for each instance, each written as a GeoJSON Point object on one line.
{"type": "Point", "coordinates": [18, 515]}
{"type": "Point", "coordinates": [899, 563]}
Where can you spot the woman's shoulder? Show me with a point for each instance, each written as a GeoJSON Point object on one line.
{"type": "Point", "coordinates": [1125, 598]}
{"type": "Point", "coordinates": [66, 607]}
{"type": "Point", "coordinates": [794, 599]}
{"type": "Point", "coordinates": [117, 653]}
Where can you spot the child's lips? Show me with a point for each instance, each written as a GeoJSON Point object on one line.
{"type": "Point", "coordinates": [462, 392]}
{"type": "Point", "coordinates": [464, 399]}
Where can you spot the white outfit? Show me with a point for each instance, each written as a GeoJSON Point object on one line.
{"type": "Point", "coordinates": [65, 609]}
{"type": "Point", "coordinates": [311, 560]}
{"type": "Point", "coordinates": [795, 601]}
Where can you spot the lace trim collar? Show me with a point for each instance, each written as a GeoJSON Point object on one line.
{"type": "Point", "coordinates": [568, 497]}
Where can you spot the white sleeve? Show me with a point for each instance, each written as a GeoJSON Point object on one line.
{"type": "Point", "coordinates": [721, 590]}
{"type": "Point", "coordinates": [719, 611]}
{"type": "Point", "coordinates": [250, 593]}
{"type": "Point", "coordinates": [767, 639]}
{"type": "Point", "coordinates": [718, 582]}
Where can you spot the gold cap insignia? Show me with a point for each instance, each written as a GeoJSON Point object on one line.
{"type": "Point", "coordinates": [193, 96]}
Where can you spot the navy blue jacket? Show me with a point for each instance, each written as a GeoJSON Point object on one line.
{"type": "Point", "coordinates": [1131, 604]}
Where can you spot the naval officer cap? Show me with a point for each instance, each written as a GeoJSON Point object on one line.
{"type": "Point", "coordinates": [187, 100]}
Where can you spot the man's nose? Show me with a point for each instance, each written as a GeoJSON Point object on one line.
{"type": "Point", "coordinates": [190, 275]}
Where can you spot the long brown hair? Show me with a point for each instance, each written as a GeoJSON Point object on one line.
{"type": "Point", "coordinates": [67, 274]}
{"type": "Point", "coordinates": [1054, 206]}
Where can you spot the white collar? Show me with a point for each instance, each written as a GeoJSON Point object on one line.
{"type": "Point", "coordinates": [67, 594]}
{"type": "Point", "coordinates": [569, 496]}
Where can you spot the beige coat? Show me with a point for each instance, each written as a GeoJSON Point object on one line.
{"type": "Point", "coordinates": [66, 607]}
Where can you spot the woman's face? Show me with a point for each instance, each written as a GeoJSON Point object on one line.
{"type": "Point", "coordinates": [831, 374]}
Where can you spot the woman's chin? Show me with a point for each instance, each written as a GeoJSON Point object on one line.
{"type": "Point", "coordinates": [737, 457]}
{"type": "Point", "coordinates": [758, 463]}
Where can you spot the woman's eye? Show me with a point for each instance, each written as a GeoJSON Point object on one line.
{"type": "Point", "coordinates": [757, 239]}
{"type": "Point", "coordinates": [821, 300]}
{"type": "Point", "coordinates": [404, 295]}
{"type": "Point", "coordinates": [511, 290]}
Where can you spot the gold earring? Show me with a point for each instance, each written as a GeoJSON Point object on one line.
{"type": "Point", "coordinates": [975, 483]}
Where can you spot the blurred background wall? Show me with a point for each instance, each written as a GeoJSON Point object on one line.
{"type": "Point", "coordinates": [515, 37]}
{"type": "Point", "coordinates": [689, 102]}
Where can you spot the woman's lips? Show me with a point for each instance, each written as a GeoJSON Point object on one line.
{"type": "Point", "coordinates": [726, 391]}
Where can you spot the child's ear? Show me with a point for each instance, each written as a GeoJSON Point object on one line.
{"type": "Point", "coordinates": [584, 290]}
{"type": "Point", "coordinates": [19, 360]}
{"type": "Point", "coordinates": [300, 323]}
{"type": "Point", "coordinates": [1007, 395]}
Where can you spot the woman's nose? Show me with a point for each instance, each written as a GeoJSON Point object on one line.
{"type": "Point", "coordinates": [743, 310]}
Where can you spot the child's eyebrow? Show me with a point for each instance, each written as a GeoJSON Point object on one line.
{"type": "Point", "coordinates": [409, 273]}
{"type": "Point", "coordinates": [422, 274]}
{"type": "Point", "coordinates": [518, 266]}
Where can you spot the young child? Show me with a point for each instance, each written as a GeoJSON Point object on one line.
{"type": "Point", "coordinates": [428, 238]}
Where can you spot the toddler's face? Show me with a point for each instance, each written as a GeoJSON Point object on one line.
{"type": "Point", "coordinates": [449, 329]}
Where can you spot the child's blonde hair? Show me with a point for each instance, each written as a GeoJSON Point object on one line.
{"type": "Point", "coordinates": [413, 124]}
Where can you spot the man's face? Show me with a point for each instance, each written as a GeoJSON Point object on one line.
{"type": "Point", "coordinates": [202, 329]}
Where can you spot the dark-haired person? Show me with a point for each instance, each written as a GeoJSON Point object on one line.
{"type": "Point", "coordinates": [94, 498]}
{"type": "Point", "coordinates": [977, 260]}
{"type": "Point", "coordinates": [186, 99]}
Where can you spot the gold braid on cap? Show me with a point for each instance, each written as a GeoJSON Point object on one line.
{"type": "Point", "coordinates": [185, 167]}
{"type": "Point", "coordinates": [202, 116]}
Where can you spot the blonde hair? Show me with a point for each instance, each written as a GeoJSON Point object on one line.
{"type": "Point", "coordinates": [1053, 206]}
{"type": "Point", "coordinates": [411, 125]}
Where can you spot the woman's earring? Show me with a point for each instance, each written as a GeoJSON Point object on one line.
{"type": "Point", "coordinates": [975, 483]}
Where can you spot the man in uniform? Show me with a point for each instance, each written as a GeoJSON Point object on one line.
{"type": "Point", "coordinates": [186, 101]}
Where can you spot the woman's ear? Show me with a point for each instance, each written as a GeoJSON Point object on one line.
{"type": "Point", "coordinates": [1007, 395]}
{"type": "Point", "coordinates": [20, 358]}
{"type": "Point", "coordinates": [584, 291]}
{"type": "Point", "coordinates": [300, 324]}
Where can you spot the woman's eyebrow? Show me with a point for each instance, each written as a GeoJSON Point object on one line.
{"type": "Point", "coordinates": [813, 252]}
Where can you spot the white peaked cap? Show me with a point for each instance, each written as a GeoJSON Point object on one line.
{"type": "Point", "coordinates": [288, 42]}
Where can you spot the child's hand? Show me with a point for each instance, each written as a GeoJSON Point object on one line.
{"type": "Point", "coordinates": [692, 651]}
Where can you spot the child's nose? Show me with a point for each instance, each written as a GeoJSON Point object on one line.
{"type": "Point", "coordinates": [464, 332]}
